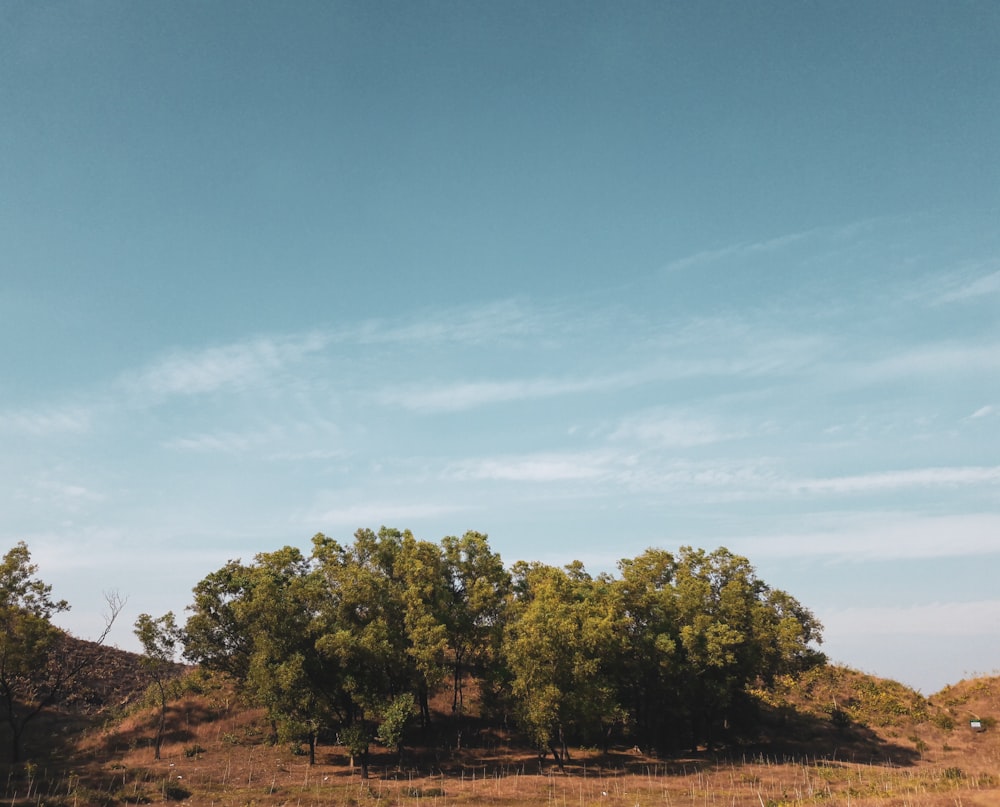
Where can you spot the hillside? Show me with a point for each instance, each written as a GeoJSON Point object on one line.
{"type": "Point", "coordinates": [831, 736]}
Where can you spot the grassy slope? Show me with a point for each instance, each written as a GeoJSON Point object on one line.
{"type": "Point", "coordinates": [833, 736]}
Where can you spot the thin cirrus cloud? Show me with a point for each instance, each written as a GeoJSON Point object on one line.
{"type": "Point", "coordinates": [553, 467]}
{"type": "Point", "coordinates": [931, 360]}
{"type": "Point", "coordinates": [59, 495]}
{"type": "Point", "coordinates": [219, 442]}
{"type": "Point", "coordinates": [770, 245]}
{"type": "Point", "coordinates": [46, 421]}
{"type": "Point", "coordinates": [464, 395]}
{"type": "Point", "coordinates": [236, 365]}
{"type": "Point", "coordinates": [777, 358]}
{"type": "Point", "coordinates": [667, 430]}
{"type": "Point", "coordinates": [883, 481]}
{"type": "Point", "coordinates": [256, 359]}
{"type": "Point", "coordinates": [374, 513]}
{"type": "Point", "coordinates": [470, 325]}
{"type": "Point", "coordinates": [979, 287]}
{"type": "Point", "coordinates": [740, 250]}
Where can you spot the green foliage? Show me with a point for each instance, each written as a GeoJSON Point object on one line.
{"type": "Point", "coordinates": [357, 637]}
{"type": "Point", "coordinates": [395, 716]}
{"type": "Point", "coordinates": [356, 738]}
{"type": "Point", "coordinates": [944, 721]}
{"type": "Point", "coordinates": [560, 645]}
{"type": "Point", "coordinates": [160, 639]}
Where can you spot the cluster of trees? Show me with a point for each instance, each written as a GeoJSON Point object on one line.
{"type": "Point", "coordinates": [357, 639]}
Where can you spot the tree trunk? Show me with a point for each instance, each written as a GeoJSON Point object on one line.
{"type": "Point", "coordinates": [160, 729]}
{"type": "Point", "coordinates": [458, 695]}
{"type": "Point", "coordinates": [556, 756]}
{"type": "Point", "coordinates": [15, 743]}
{"type": "Point", "coordinates": [425, 707]}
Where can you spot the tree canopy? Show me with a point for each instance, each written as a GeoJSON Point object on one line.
{"type": "Point", "coordinates": [353, 638]}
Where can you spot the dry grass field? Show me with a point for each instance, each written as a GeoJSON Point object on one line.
{"type": "Point", "coordinates": [833, 737]}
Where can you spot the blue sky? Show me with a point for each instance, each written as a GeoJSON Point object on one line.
{"type": "Point", "coordinates": [587, 277]}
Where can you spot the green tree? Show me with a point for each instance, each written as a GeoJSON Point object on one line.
{"type": "Point", "coordinates": [734, 630]}
{"type": "Point", "coordinates": [650, 664]}
{"type": "Point", "coordinates": [286, 673]}
{"type": "Point", "coordinates": [356, 738]}
{"type": "Point", "coordinates": [424, 592]}
{"type": "Point", "coordinates": [478, 587]}
{"type": "Point", "coordinates": [160, 639]}
{"type": "Point", "coordinates": [394, 718]}
{"type": "Point", "coordinates": [218, 634]}
{"type": "Point", "coordinates": [36, 662]}
{"type": "Point", "coordinates": [258, 623]}
{"type": "Point", "coordinates": [559, 646]}
{"type": "Point", "coordinates": [363, 625]}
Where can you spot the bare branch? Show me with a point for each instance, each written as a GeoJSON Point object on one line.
{"type": "Point", "coordinates": [115, 605]}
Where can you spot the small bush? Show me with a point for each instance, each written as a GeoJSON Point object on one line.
{"type": "Point", "coordinates": [132, 795]}
{"type": "Point", "coordinates": [944, 721]}
{"type": "Point", "coordinates": [174, 792]}
{"type": "Point", "coordinates": [840, 718]}
{"type": "Point", "coordinates": [193, 751]}
{"type": "Point", "coordinates": [953, 773]}
{"type": "Point", "coordinates": [423, 792]}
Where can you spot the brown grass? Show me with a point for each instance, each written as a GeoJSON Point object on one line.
{"type": "Point", "coordinates": [896, 750]}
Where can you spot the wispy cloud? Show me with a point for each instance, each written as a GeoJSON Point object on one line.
{"type": "Point", "coordinates": [375, 514]}
{"type": "Point", "coordinates": [977, 287]}
{"type": "Point", "coordinates": [896, 480]}
{"type": "Point", "coordinates": [555, 467]}
{"type": "Point", "coordinates": [56, 494]}
{"type": "Point", "coordinates": [982, 412]}
{"type": "Point", "coordinates": [470, 325]}
{"type": "Point", "coordinates": [454, 397]}
{"type": "Point", "coordinates": [46, 421]}
{"type": "Point", "coordinates": [932, 360]}
{"type": "Point", "coordinates": [748, 248]}
{"type": "Point", "coordinates": [218, 442]}
{"type": "Point", "coordinates": [740, 250]}
{"type": "Point", "coordinates": [289, 439]}
{"type": "Point", "coordinates": [670, 430]}
{"type": "Point", "coordinates": [237, 365]}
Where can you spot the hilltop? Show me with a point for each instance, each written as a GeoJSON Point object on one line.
{"type": "Point", "coordinates": [831, 735]}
